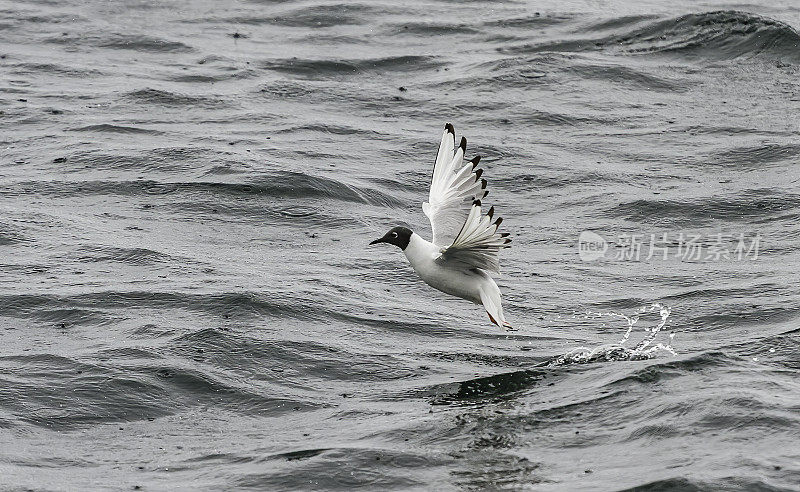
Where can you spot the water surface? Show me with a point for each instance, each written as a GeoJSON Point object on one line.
{"type": "Point", "coordinates": [187, 299]}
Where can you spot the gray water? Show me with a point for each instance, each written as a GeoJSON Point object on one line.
{"type": "Point", "coordinates": [188, 302]}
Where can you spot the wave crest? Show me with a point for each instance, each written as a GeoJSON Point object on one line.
{"type": "Point", "coordinates": [719, 35]}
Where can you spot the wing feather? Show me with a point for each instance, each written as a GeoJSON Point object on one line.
{"type": "Point", "coordinates": [454, 186]}
{"type": "Point", "coordinates": [478, 243]}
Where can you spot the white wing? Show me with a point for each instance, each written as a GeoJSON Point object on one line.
{"type": "Point", "coordinates": [478, 244]}
{"type": "Point", "coordinates": [454, 187]}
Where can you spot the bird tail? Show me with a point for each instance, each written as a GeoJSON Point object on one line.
{"type": "Point", "coordinates": [490, 298]}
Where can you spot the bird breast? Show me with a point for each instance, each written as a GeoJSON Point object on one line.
{"type": "Point", "coordinates": [459, 282]}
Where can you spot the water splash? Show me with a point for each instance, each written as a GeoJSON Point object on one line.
{"type": "Point", "coordinates": [645, 349]}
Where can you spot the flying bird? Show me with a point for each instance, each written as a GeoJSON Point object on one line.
{"type": "Point", "coordinates": [466, 244]}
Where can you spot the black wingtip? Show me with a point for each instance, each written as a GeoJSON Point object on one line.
{"type": "Point", "coordinates": [507, 241]}
{"type": "Point", "coordinates": [490, 213]}
{"type": "Point", "coordinates": [463, 144]}
{"type": "Point", "coordinates": [478, 174]}
{"type": "Point", "coordinates": [476, 202]}
{"type": "Point", "coordinates": [450, 128]}
{"type": "Point", "coordinates": [483, 184]}
{"type": "Point", "coordinates": [505, 234]}
{"type": "Point", "coordinates": [485, 193]}
{"type": "Point", "coordinates": [498, 221]}
{"type": "Point", "coordinates": [475, 160]}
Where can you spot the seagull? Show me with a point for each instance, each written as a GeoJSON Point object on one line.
{"type": "Point", "coordinates": [466, 244]}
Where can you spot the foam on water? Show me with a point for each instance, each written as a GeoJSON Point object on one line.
{"type": "Point", "coordinates": [645, 349]}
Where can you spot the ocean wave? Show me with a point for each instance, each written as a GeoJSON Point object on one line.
{"type": "Point", "coordinates": [627, 76]}
{"type": "Point", "coordinates": [287, 89]}
{"type": "Point", "coordinates": [720, 35]}
{"type": "Point", "coordinates": [698, 485]}
{"type": "Point", "coordinates": [756, 157]}
{"type": "Point", "coordinates": [289, 363]}
{"type": "Point", "coordinates": [302, 304]}
{"type": "Point", "coordinates": [54, 310]}
{"type": "Point", "coordinates": [486, 389]}
{"type": "Point", "coordinates": [429, 29]}
{"type": "Point", "coordinates": [663, 370]}
{"type": "Point", "coordinates": [335, 469]}
{"type": "Point", "coordinates": [330, 129]}
{"type": "Point", "coordinates": [781, 350]}
{"type": "Point", "coordinates": [166, 98]}
{"type": "Point", "coordinates": [347, 468]}
{"type": "Point", "coordinates": [41, 17]}
{"type": "Point", "coordinates": [745, 206]}
{"type": "Point", "coordinates": [131, 256]}
{"type": "Point", "coordinates": [542, 117]}
{"type": "Point", "coordinates": [321, 16]}
{"type": "Point", "coordinates": [58, 392]}
{"type": "Point", "coordinates": [164, 159]}
{"type": "Point", "coordinates": [535, 20]}
{"type": "Point", "coordinates": [109, 128]}
{"type": "Point", "coordinates": [69, 318]}
{"type": "Point", "coordinates": [11, 235]}
{"type": "Point", "coordinates": [716, 35]}
{"type": "Point", "coordinates": [62, 393]}
{"type": "Point", "coordinates": [223, 305]}
{"type": "Point", "coordinates": [319, 69]}
{"type": "Point", "coordinates": [743, 315]}
{"type": "Point", "coordinates": [526, 182]}
{"type": "Point", "coordinates": [618, 22]}
{"type": "Point", "coordinates": [204, 78]}
{"type": "Point", "coordinates": [512, 72]}
{"type": "Point", "coordinates": [133, 42]}
{"type": "Point", "coordinates": [25, 68]}
{"type": "Point", "coordinates": [220, 305]}
{"type": "Point", "coordinates": [278, 185]}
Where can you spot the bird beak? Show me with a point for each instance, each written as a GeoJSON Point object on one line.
{"type": "Point", "coordinates": [379, 240]}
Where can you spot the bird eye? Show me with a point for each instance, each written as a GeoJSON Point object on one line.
{"type": "Point", "coordinates": [394, 234]}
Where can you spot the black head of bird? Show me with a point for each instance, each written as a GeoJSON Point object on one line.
{"type": "Point", "coordinates": [399, 236]}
